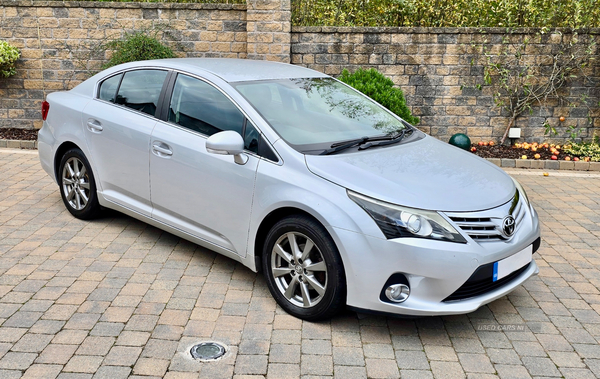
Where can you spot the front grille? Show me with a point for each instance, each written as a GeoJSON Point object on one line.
{"type": "Point", "coordinates": [479, 228]}
{"type": "Point", "coordinates": [482, 282]}
{"type": "Point", "coordinates": [487, 225]}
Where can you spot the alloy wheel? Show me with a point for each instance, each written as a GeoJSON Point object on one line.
{"type": "Point", "coordinates": [76, 183]}
{"type": "Point", "coordinates": [299, 269]}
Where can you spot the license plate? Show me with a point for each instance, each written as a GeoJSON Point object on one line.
{"type": "Point", "coordinates": [511, 264]}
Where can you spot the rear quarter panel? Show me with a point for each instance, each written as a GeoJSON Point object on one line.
{"type": "Point", "coordinates": [64, 122]}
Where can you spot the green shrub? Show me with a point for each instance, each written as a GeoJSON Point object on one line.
{"type": "Point", "coordinates": [381, 89]}
{"type": "Point", "coordinates": [137, 46]}
{"type": "Point", "coordinates": [173, 1]}
{"type": "Point", "coordinates": [585, 149]}
{"type": "Point", "coordinates": [446, 13]}
{"type": "Point", "coordinates": [8, 57]}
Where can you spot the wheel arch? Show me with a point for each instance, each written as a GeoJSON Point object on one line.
{"type": "Point", "coordinates": [266, 225]}
{"type": "Point", "coordinates": [62, 149]}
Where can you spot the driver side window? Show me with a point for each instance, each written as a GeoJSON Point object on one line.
{"type": "Point", "coordinates": [198, 106]}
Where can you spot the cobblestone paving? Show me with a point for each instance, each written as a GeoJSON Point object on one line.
{"type": "Point", "coordinates": [116, 298]}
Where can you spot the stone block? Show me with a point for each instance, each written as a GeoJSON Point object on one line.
{"type": "Point", "coordinates": [28, 144]}
{"type": "Point", "coordinates": [566, 165]}
{"type": "Point", "coordinates": [234, 26]}
{"type": "Point", "coordinates": [450, 59]}
{"type": "Point", "coordinates": [522, 163]}
{"type": "Point", "coordinates": [508, 162]}
{"type": "Point", "coordinates": [581, 166]}
{"type": "Point", "coordinates": [260, 37]}
{"type": "Point", "coordinates": [129, 13]}
{"type": "Point", "coordinates": [12, 12]}
{"type": "Point", "coordinates": [221, 47]}
{"type": "Point", "coordinates": [208, 36]}
{"type": "Point", "coordinates": [69, 23]}
{"type": "Point", "coordinates": [537, 164]}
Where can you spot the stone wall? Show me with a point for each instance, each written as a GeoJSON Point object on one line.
{"type": "Point", "coordinates": [55, 39]}
{"type": "Point", "coordinates": [433, 66]}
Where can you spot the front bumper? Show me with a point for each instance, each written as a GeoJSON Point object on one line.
{"type": "Point", "coordinates": [434, 269]}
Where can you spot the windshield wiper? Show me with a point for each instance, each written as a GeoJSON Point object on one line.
{"type": "Point", "coordinates": [396, 139]}
{"type": "Point", "coordinates": [339, 146]}
{"type": "Point", "coordinates": [386, 140]}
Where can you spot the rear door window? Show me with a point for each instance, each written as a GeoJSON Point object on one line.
{"type": "Point", "coordinates": [108, 88]}
{"type": "Point", "coordinates": [140, 90]}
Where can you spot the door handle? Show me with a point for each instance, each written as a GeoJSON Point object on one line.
{"type": "Point", "coordinates": [94, 125]}
{"type": "Point", "coordinates": [162, 150]}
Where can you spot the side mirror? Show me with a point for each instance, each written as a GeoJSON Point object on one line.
{"type": "Point", "coordinates": [227, 142]}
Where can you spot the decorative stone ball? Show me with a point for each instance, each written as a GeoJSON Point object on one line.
{"type": "Point", "coordinates": [460, 140]}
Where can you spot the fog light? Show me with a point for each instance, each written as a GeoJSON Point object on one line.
{"type": "Point", "coordinates": [397, 292]}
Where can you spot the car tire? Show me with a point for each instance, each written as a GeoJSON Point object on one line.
{"type": "Point", "coordinates": [77, 185]}
{"type": "Point", "coordinates": [307, 281]}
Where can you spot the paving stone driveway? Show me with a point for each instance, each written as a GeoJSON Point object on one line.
{"type": "Point", "coordinates": [115, 298]}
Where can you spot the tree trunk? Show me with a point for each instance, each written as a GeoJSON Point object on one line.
{"type": "Point", "coordinates": [510, 125]}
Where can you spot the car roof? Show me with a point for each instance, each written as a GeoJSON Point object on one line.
{"type": "Point", "coordinates": [237, 70]}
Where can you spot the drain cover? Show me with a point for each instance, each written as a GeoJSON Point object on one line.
{"type": "Point", "coordinates": [207, 351]}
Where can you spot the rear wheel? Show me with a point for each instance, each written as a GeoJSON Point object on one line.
{"type": "Point", "coordinates": [77, 185]}
{"type": "Point", "coordinates": [303, 269]}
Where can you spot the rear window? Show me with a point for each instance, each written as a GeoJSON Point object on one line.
{"type": "Point", "coordinates": [108, 88]}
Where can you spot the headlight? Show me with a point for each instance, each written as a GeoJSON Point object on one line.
{"type": "Point", "coordinates": [521, 191]}
{"type": "Point", "coordinates": [396, 221]}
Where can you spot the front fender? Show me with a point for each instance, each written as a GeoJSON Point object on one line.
{"type": "Point", "coordinates": [296, 187]}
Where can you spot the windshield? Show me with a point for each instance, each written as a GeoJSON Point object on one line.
{"type": "Point", "coordinates": [313, 113]}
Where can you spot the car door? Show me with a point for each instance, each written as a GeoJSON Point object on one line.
{"type": "Point", "coordinates": [204, 194]}
{"type": "Point", "coordinates": [119, 122]}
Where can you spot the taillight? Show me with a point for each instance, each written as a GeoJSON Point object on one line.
{"type": "Point", "coordinates": [45, 109]}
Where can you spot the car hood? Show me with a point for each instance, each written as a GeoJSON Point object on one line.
{"type": "Point", "coordinates": [426, 174]}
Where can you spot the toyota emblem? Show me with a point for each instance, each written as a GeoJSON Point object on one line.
{"type": "Point", "coordinates": [508, 226]}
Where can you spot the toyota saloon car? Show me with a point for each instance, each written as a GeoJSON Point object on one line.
{"type": "Point", "coordinates": [339, 202]}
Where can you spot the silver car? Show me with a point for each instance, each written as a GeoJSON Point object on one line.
{"type": "Point", "coordinates": [291, 172]}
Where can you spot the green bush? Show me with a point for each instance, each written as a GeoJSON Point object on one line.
{"type": "Point", "coordinates": [585, 149]}
{"type": "Point", "coordinates": [446, 13]}
{"type": "Point", "coordinates": [137, 46]}
{"type": "Point", "coordinates": [173, 1]}
{"type": "Point", "coordinates": [8, 57]}
{"type": "Point", "coordinates": [381, 89]}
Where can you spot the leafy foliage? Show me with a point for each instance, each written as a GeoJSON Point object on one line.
{"type": "Point", "coordinates": [8, 57]}
{"type": "Point", "coordinates": [174, 1]}
{"type": "Point", "coordinates": [381, 89]}
{"type": "Point", "coordinates": [519, 80]}
{"type": "Point", "coordinates": [137, 46]}
{"type": "Point", "coordinates": [585, 149]}
{"type": "Point", "coordinates": [447, 13]}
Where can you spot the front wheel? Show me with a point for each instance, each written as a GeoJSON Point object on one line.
{"type": "Point", "coordinates": [303, 269]}
{"type": "Point", "coordinates": [77, 185]}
